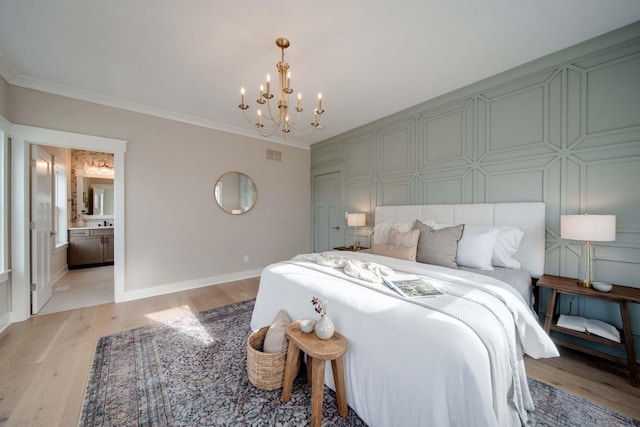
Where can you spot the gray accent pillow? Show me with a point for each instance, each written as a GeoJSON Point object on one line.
{"type": "Point", "coordinates": [438, 247]}
{"type": "Point", "coordinates": [275, 340]}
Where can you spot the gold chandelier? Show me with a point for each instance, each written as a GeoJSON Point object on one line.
{"type": "Point", "coordinates": [280, 118]}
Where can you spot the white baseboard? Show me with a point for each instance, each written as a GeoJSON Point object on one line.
{"type": "Point", "coordinates": [58, 275]}
{"type": "Point", "coordinates": [190, 284]}
{"type": "Point", "coordinates": [5, 321]}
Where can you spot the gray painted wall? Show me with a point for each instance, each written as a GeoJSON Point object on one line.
{"type": "Point", "coordinates": [564, 130]}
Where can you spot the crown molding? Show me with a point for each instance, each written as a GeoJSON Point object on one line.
{"type": "Point", "coordinates": [95, 98]}
{"type": "Point", "coordinates": [6, 71]}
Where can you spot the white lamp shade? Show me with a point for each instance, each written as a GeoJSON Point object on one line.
{"type": "Point", "coordinates": [595, 228]}
{"type": "Point", "coordinates": [356, 219]}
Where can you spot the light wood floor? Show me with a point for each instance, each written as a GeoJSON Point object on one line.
{"type": "Point", "coordinates": [45, 361]}
{"type": "Point", "coordinates": [82, 287]}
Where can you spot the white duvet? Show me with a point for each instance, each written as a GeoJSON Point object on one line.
{"type": "Point", "coordinates": [450, 360]}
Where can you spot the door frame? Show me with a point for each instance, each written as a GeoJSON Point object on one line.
{"type": "Point", "coordinates": [21, 138]}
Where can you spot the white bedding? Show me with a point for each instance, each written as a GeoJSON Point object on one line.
{"type": "Point", "coordinates": [408, 364]}
{"type": "Point", "coordinates": [520, 280]}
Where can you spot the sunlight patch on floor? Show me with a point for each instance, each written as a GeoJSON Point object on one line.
{"type": "Point", "coordinates": [164, 315]}
{"type": "Point", "coordinates": [182, 322]}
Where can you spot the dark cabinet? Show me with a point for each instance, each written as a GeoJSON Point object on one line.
{"type": "Point", "coordinates": [90, 247]}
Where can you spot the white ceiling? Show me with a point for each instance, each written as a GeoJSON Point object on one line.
{"type": "Point", "coordinates": [187, 60]}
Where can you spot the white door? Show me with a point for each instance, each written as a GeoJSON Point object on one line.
{"type": "Point", "coordinates": [328, 219]}
{"type": "Point", "coordinates": [41, 227]}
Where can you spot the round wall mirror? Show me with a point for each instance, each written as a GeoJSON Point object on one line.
{"type": "Point", "coordinates": [235, 193]}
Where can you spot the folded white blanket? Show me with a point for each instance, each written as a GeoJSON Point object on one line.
{"type": "Point", "coordinates": [367, 271]}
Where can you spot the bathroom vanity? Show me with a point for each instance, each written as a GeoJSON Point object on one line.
{"type": "Point", "coordinates": [90, 246]}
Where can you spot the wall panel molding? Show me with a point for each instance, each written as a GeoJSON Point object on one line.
{"type": "Point", "coordinates": [564, 130]}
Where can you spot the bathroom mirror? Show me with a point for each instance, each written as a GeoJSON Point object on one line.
{"type": "Point", "coordinates": [235, 193]}
{"type": "Point", "coordinates": [95, 195]}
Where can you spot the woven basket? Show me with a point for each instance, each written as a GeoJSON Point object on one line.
{"type": "Point", "coordinates": [265, 370]}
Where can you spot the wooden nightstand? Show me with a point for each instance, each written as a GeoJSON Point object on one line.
{"type": "Point", "coordinates": [351, 248]}
{"type": "Point", "coordinates": [620, 295]}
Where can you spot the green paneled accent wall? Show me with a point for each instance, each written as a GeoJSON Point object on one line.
{"type": "Point", "coordinates": [564, 130]}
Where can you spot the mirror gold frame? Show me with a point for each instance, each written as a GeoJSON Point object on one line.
{"type": "Point", "coordinates": [235, 193]}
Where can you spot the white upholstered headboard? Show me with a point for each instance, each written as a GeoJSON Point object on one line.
{"type": "Point", "coordinates": [529, 217]}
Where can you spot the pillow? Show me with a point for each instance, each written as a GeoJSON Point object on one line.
{"type": "Point", "coordinates": [381, 230]}
{"type": "Point", "coordinates": [275, 340]}
{"type": "Point", "coordinates": [507, 243]}
{"type": "Point", "coordinates": [438, 247]}
{"type": "Point", "coordinates": [406, 240]}
{"type": "Point", "coordinates": [475, 248]}
{"type": "Point", "coordinates": [400, 252]}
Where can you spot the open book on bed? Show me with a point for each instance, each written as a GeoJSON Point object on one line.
{"type": "Point", "coordinates": [590, 326]}
{"type": "Point", "coordinates": [411, 286]}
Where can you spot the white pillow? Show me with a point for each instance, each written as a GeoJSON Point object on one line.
{"type": "Point", "coordinates": [475, 248]}
{"type": "Point", "coordinates": [381, 230]}
{"type": "Point", "coordinates": [507, 243]}
{"type": "Point", "coordinates": [436, 226]}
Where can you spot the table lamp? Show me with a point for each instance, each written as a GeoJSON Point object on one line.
{"type": "Point", "coordinates": [356, 220]}
{"type": "Point", "coordinates": [590, 228]}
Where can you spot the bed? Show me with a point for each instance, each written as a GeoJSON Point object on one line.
{"type": "Point", "coordinates": [451, 360]}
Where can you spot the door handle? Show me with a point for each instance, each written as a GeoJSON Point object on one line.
{"type": "Point", "coordinates": [337, 227]}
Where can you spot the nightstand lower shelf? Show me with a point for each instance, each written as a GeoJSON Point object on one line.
{"type": "Point", "coordinates": [588, 337]}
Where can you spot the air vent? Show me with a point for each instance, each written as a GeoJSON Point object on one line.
{"type": "Point", "coordinates": [274, 155]}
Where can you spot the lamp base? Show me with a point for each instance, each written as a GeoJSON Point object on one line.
{"type": "Point", "coordinates": [584, 283]}
{"type": "Point", "coordinates": [587, 269]}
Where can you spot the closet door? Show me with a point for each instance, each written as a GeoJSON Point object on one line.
{"type": "Point", "coordinates": [328, 217]}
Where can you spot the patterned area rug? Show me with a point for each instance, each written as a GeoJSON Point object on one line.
{"type": "Point", "coordinates": [192, 371]}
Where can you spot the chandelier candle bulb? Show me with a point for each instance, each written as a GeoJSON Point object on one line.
{"type": "Point", "coordinates": [259, 124]}
{"type": "Point", "coordinates": [289, 80]}
{"type": "Point", "coordinates": [320, 111]}
{"type": "Point", "coordinates": [268, 95]}
{"type": "Point", "coordinates": [242, 105]}
{"type": "Point", "coordinates": [299, 107]}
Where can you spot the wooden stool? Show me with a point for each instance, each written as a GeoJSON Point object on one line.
{"type": "Point", "coordinates": [318, 352]}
